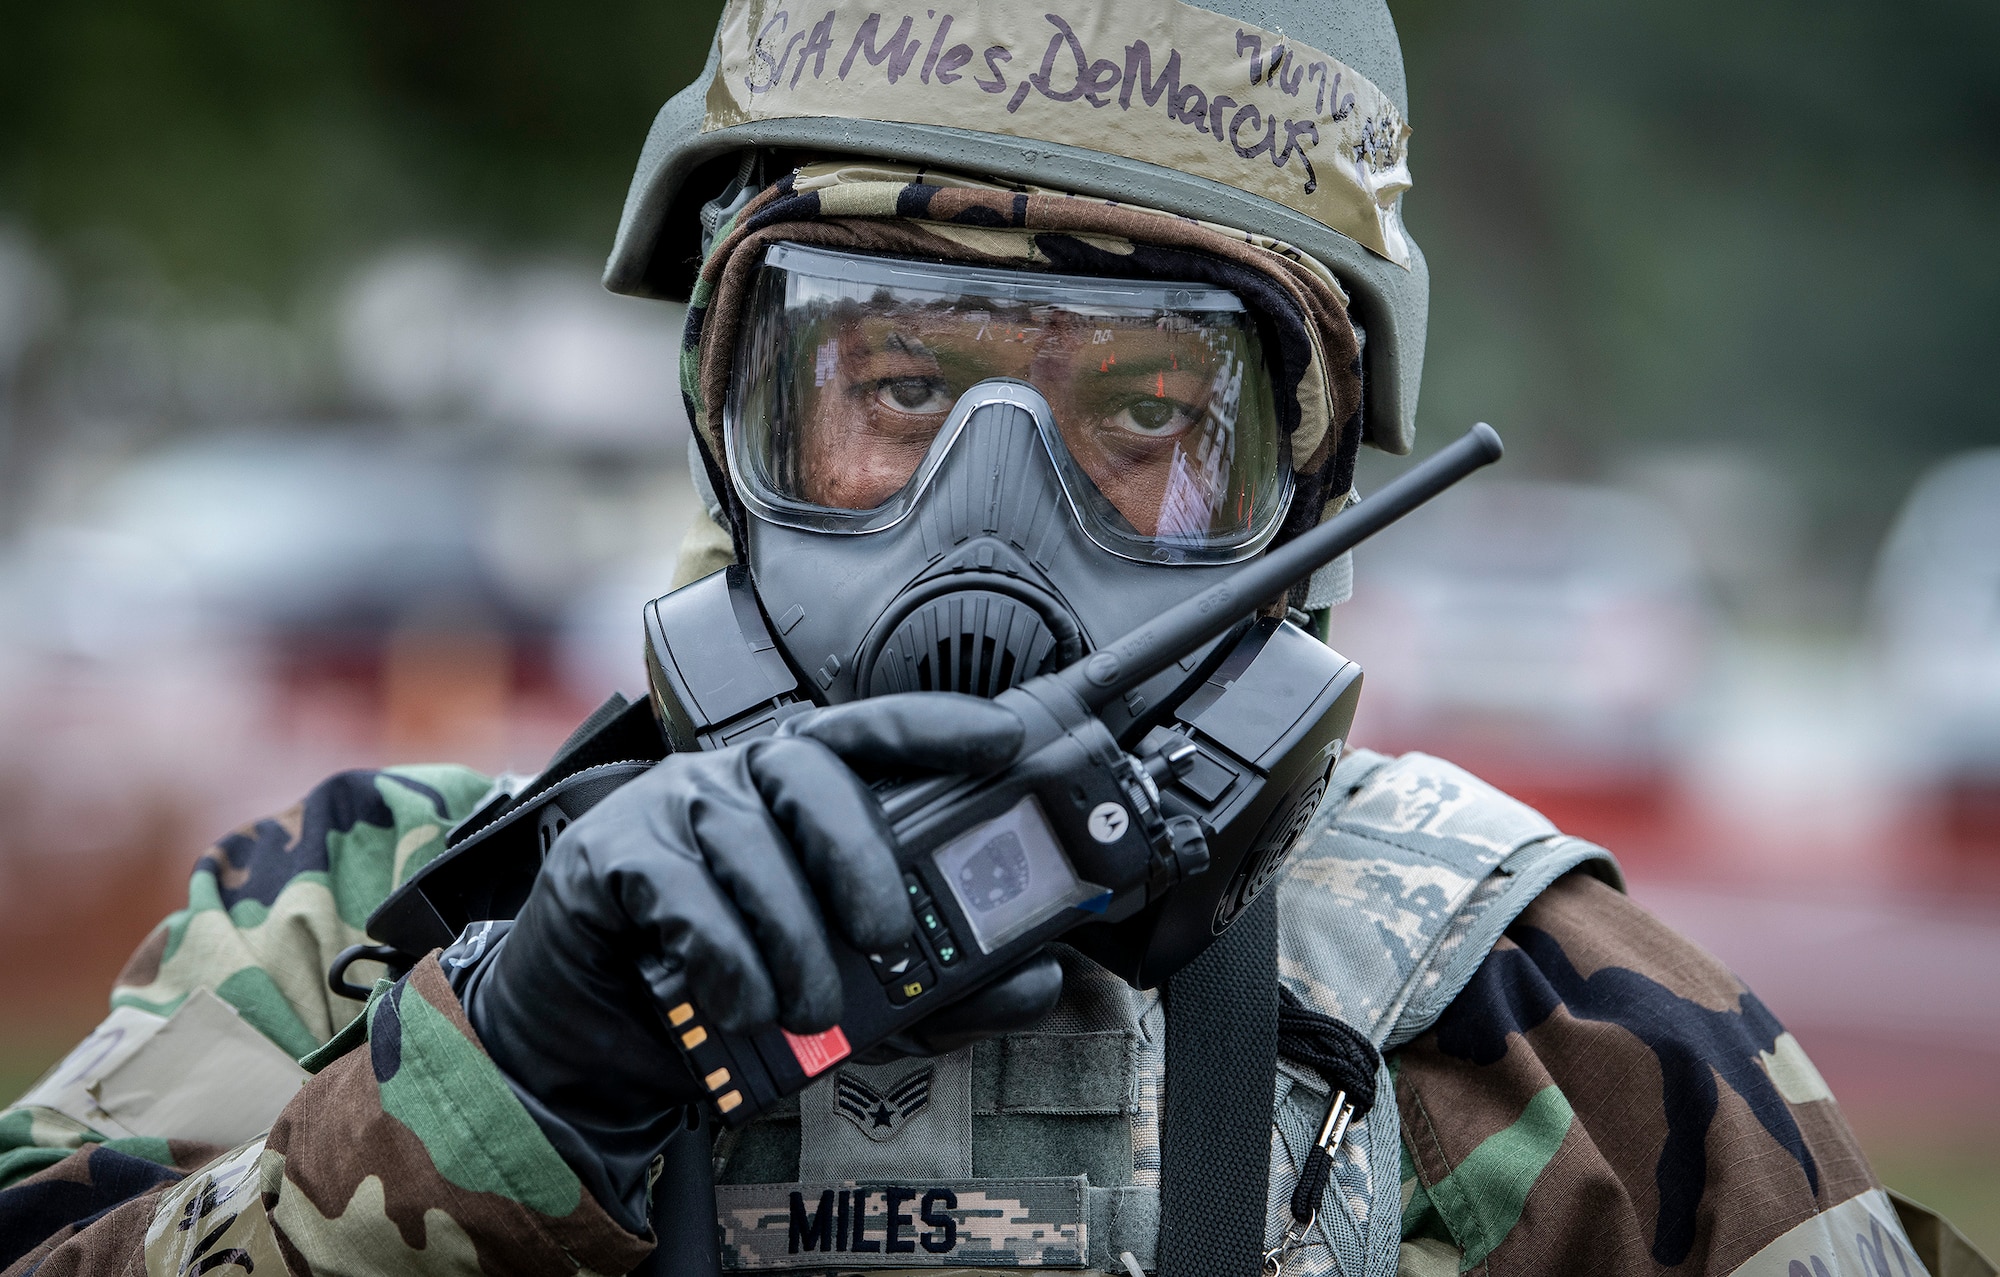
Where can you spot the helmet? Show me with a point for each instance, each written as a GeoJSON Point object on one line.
{"type": "Point", "coordinates": [1281, 118]}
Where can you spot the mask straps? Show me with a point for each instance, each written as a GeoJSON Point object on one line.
{"type": "Point", "coordinates": [741, 190]}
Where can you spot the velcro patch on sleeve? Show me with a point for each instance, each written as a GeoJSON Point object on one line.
{"type": "Point", "coordinates": [986, 1223]}
{"type": "Point", "coordinates": [203, 1074]}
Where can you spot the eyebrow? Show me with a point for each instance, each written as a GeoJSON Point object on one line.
{"type": "Point", "coordinates": [902, 345]}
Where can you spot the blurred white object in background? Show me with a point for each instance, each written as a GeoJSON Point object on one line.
{"type": "Point", "coordinates": [538, 350]}
{"type": "Point", "coordinates": [1554, 633]}
{"type": "Point", "coordinates": [358, 530]}
{"type": "Point", "coordinates": [1744, 515]}
{"type": "Point", "coordinates": [551, 529]}
{"type": "Point", "coordinates": [411, 326]}
{"type": "Point", "coordinates": [99, 595]}
{"type": "Point", "coordinates": [288, 529]}
{"type": "Point", "coordinates": [1935, 613]}
{"type": "Point", "coordinates": [600, 648]}
{"type": "Point", "coordinates": [594, 367]}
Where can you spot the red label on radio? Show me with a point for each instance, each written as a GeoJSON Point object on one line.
{"type": "Point", "coordinates": [819, 1052]}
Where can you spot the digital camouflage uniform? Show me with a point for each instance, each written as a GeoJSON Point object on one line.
{"type": "Point", "coordinates": [1601, 1097]}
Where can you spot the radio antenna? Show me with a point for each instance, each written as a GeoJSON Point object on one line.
{"type": "Point", "coordinates": [1118, 667]}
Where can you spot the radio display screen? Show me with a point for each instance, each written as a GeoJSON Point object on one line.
{"type": "Point", "coordinates": [1010, 875]}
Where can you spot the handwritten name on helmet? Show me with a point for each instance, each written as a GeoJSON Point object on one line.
{"type": "Point", "coordinates": [1166, 83]}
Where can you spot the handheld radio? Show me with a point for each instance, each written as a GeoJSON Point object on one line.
{"type": "Point", "coordinates": [1139, 858]}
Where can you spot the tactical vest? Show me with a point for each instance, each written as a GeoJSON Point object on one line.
{"type": "Point", "coordinates": [1040, 1151]}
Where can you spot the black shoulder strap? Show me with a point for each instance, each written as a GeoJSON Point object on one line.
{"type": "Point", "coordinates": [618, 731]}
{"type": "Point", "coordinates": [491, 857]}
{"type": "Point", "coordinates": [1215, 1148]}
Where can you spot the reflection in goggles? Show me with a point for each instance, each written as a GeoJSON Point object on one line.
{"type": "Point", "coordinates": [1145, 407]}
{"type": "Point", "coordinates": [1159, 392]}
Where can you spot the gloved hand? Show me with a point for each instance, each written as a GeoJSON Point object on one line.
{"type": "Point", "coordinates": [724, 867]}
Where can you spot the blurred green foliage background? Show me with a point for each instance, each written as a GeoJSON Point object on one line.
{"type": "Point", "coordinates": [1772, 225]}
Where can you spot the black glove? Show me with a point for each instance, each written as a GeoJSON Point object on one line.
{"type": "Point", "coordinates": [722, 867]}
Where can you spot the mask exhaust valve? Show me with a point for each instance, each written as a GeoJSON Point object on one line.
{"type": "Point", "coordinates": [979, 637]}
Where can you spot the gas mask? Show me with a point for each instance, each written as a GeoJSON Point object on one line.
{"type": "Point", "coordinates": [956, 478]}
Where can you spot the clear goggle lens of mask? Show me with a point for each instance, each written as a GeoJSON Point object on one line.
{"type": "Point", "coordinates": [848, 369]}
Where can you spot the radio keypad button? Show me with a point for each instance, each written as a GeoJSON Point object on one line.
{"type": "Point", "coordinates": [913, 985]}
{"type": "Point", "coordinates": [895, 963]}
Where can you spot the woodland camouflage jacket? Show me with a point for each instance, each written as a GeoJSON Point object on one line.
{"type": "Point", "coordinates": [1602, 1097]}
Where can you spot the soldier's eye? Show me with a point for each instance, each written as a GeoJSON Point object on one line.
{"type": "Point", "coordinates": [1154, 418]}
{"type": "Point", "coordinates": [913, 394]}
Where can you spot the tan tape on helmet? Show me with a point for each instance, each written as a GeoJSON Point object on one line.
{"type": "Point", "coordinates": [1161, 81]}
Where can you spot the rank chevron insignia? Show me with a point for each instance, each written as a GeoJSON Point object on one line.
{"type": "Point", "coordinates": [881, 1114]}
